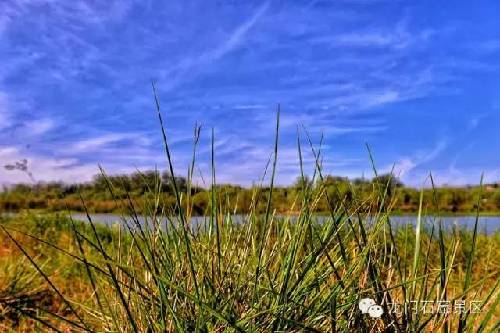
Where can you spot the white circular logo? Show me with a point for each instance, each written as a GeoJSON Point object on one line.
{"type": "Point", "coordinates": [365, 304]}
{"type": "Point", "coordinates": [375, 311]}
{"type": "Point", "coordinates": [368, 305]}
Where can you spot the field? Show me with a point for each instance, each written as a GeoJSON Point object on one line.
{"type": "Point", "coordinates": [301, 283]}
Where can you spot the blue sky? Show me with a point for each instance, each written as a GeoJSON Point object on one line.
{"type": "Point", "coordinates": [418, 81]}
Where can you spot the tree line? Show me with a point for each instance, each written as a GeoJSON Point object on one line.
{"type": "Point", "coordinates": [113, 194]}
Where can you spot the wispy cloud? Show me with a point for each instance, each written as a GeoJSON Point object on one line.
{"type": "Point", "coordinates": [404, 167]}
{"type": "Point", "coordinates": [237, 36]}
{"type": "Point", "coordinates": [45, 168]}
{"type": "Point", "coordinates": [460, 176]}
{"type": "Point", "coordinates": [189, 65]}
{"type": "Point", "coordinates": [356, 71]}
{"type": "Point", "coordinates": [374, 99]}
{"type": "Point", "coordinates": [475, 120]}
{"type": "Point", "coordinates": [94, 144]}
{"type": "Point", "coordinates": [38, 127]}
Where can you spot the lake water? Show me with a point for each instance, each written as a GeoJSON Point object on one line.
{"type": "Point", "coordinates": [487, 224]}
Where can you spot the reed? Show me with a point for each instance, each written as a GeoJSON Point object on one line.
{"type": "Point", "coordinates": [257, 272]}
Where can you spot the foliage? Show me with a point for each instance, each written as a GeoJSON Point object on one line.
{"type": "Point", "coordinates": [98, 199]}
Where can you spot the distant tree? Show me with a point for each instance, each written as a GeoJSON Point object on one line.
{"type": "Point", "coordinates": [360, 181]}
{"type": "Point", "coordinates": [99, 182]}
{"type": "Point", "coordinates": [167, 185]}
{"type": "Point", "coordinates": [301, 183]}
{"type": "Point", "coordinates": [142, 182]}
{"type": "Point", "coordinates": [388, 179]}
{"type": "Point", "coordinates": [334, 180]}
{"type": "Point", "coordinates": [458, 199]}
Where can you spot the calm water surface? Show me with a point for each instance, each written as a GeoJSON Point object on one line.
{"type": "Point", "coordinates": [487, 224]}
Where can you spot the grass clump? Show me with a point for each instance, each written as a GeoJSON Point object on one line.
{"type": "Point", "coordinates": [256, 272]}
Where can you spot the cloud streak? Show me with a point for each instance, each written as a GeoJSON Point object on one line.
{"type": "Point", "coordinates": [405, 166]}
{"type": "Point", "coordinates": [75, 78]}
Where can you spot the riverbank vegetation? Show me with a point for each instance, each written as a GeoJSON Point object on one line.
{"type": "Point", "coordinates": [269, 274]}
{"type": "Point", "coordinates": [61, 197]}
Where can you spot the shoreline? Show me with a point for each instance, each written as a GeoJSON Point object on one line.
{"type": "Point", "coordinates": [394, 213]}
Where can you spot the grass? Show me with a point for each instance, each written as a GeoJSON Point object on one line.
{"type": "Point", "coordinates": [267, 273]}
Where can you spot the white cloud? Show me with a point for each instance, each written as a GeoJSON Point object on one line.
{"type": "Point", "coordinates": [94, 144]}
{"type": "Point", "coordinates": [249, 106]}
{"type": "Point", "coordinates": [404, 167]}
{"type": "Point", "coordinates": [38, 127]}
{"type": "Point", "coordinates": [460, 177]}
{"type": "Point", "coordinates": [398, 37]}
{"type": "Point", "coordinates": [377, 99]}
{"type": "Point", "coordinates": [365, 99]}
{"type": "Point", "coordinates": [45, 168]}
{"type": "Point", "coordinates": [78, 11]}
{"type": "Point", "coordinates": [368, 39]}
